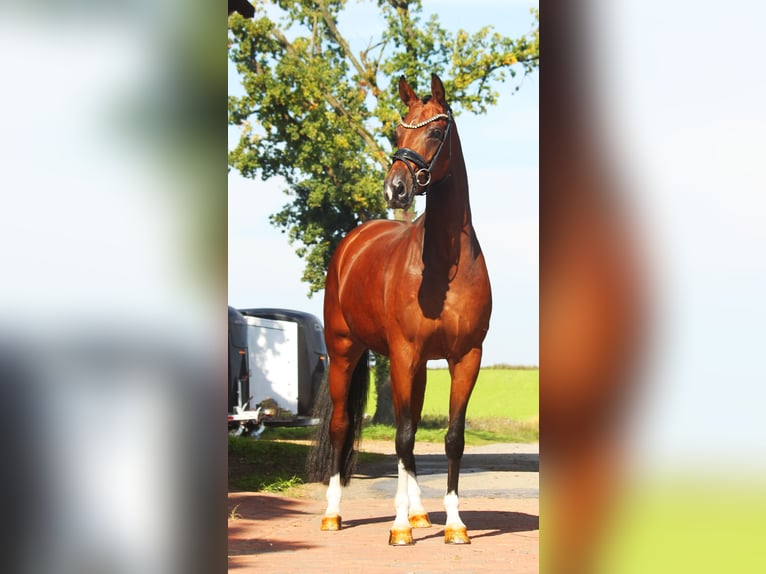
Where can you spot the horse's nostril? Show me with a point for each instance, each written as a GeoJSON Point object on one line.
{"type": "Point", "coordinates": [399, 189]}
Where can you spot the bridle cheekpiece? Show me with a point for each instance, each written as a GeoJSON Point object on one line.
{"type": "Point", "coordinates": [422, 177]}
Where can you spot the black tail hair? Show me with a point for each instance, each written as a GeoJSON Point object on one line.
{"type": "Point", "coordinates": [319, 458]}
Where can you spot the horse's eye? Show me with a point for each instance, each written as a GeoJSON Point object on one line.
{"type": "Point", "coordinates": [435, 133]}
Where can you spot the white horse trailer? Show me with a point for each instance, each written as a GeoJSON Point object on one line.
{"type": "Point", "coordinates": [273, 359]}
{"type": "Point", "coordinates": [277, 360]}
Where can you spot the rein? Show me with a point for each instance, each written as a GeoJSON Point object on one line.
{"type": "Point", "coordinates": [422, 177]}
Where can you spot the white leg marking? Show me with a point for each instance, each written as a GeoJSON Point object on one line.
{"type": "Point", "coordinates": [451, 504]}
{"type": "Point", "coordinates": [333, 496]}
{"type": "Point", "coordinates": [401, 502]}
{"type": "Point", "coordinates": [413, 490]}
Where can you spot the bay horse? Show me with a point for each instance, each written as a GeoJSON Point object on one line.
{"type": "Point", "coordinates": [412, 291]}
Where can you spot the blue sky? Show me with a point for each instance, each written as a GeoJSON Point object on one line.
{"type": "Point", "coordinates": [501, 151]}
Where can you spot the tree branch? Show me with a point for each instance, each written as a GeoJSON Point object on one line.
{"type": "Point", "coordinates": [372, 68]}
{"type": "Point", "coordinates": [341, 40]}
{"type": "Point", "coordinates": [377, 152]}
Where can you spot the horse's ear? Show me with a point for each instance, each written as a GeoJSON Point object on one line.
{"type": "Point", "coordinates": [437, 90]}
{"type": "Point", "coordinates": [406, 93]}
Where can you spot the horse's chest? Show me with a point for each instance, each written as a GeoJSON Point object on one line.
{"type": "Point", "coordinates": [448, 321]}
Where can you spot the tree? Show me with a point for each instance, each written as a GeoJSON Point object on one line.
{"type": "Point", "coordinates": [323, 116]}
{"type": "Point", "coordinates": [384, 410]}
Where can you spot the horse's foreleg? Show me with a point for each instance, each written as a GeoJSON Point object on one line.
{"type": "Point", "coordinates": [418, 517]}
{"type": "Point", "coordinates": [407, 490]}
{"type": "Point", "coordinates": [464, 373]}
{"type": "Point", "coordinates": [401, 531]}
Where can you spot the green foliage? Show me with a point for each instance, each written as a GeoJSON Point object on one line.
{"type": "Point", "coordinates": [265, 466]}
{"type": "Point", "coordinates": [510, 366]}
{"type": "Point", "coordinates": [323, 116]}
{"type": "Point", "coordinates": [233, 514]}
{"type": "Point", "coordinates": [283, 484]}
{"type": "Point", "coordinates": [288, 433]}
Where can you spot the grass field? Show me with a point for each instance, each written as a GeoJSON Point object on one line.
{"type": "Point", "coordinates": [504, 407]}
{"type": "Point", "coordinates": [689, 523]}
{"type": "Point", "coordinates": [505, 393]}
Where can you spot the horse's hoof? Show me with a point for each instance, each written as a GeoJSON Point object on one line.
{"type": "Point", "coordinates": [400, 537]}
{"type": "Point", "coordinates": [420, 521]}
{"type": "Point", "coordinates": [456, 535]}
{"type": "Point", "coordinates": [330, 522]}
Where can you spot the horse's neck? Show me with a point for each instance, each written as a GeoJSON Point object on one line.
{"type": "Point", "coordinates": [448, 226]}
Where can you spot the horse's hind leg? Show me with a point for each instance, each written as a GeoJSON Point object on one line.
{"type": "Point", "coordinates": [464, 373]}
{"type": "Point", "coordinates": [340, 373]}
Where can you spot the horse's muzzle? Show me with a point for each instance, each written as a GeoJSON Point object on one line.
{"type": "Point", "coordinates": [398, 191]}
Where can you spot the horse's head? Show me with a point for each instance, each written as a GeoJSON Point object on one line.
{"type": "Point", "coordinates": [422, 137]}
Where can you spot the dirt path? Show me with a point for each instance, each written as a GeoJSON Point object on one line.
{"type": "Point", "coordinates": [499, 503]}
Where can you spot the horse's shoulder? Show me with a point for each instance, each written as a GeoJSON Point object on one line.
{"type": "Point", "coordinates": [381, 236]}
{"type": "Point", "coordinates": [381, 225]}
{"type": "Point", "coordinates": [378, 228]}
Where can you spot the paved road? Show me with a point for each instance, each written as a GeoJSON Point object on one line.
{"type": "Point", "coordinates": [494, 471]}
{"type": "Point", "coordinates": [499, 488]}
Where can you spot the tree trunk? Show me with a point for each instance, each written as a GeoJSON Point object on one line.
{"type": "Point", "coordinates": [384, 410]}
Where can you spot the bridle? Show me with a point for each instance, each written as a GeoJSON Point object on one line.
{"type": "Point", "coordinates": [422, 177]}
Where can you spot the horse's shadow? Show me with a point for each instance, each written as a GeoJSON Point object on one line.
{"type": "Point", "coordinates": [437, 464]}
{"type": "Point", "coordinates": [489, 522]}
{"type": "Point", "coordinates": [495, 522]}
{"type": "Point", "coordinates": [365, 521]}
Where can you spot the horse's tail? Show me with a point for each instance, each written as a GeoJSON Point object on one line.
{"type": "Point", "coordinates": [319, 457]}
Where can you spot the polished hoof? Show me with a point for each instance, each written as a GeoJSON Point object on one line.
{"type": "Point", "coordinates": [330, 522]}
{"type": "Point", "coordinates": [456, 535]}
{"type": "Point", "coordinates": [420, 521]}
{"type": "Point", "coordinates": [401, 537]}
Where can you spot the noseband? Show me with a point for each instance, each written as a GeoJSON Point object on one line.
{"type": "Point", "coordinates": [422, 177]}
